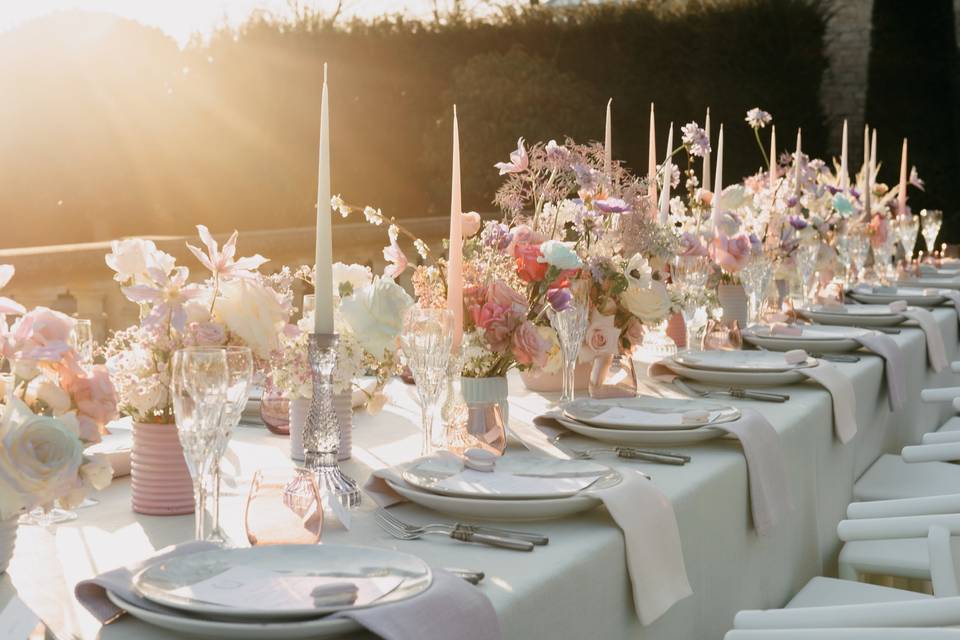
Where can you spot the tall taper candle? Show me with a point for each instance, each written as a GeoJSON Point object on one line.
{"type": "Point", "coordinates": [873, 150]}
{"type": "Point", "coordinates": [772, 171]}
{"type": "Point", "coordinates": [902, 195]}
{"type": "Point", "coordinates": [652, 160]}
{"type": "Point", "coordinates": [796, 167]}
{"type": "Point", "coordinates": [323, 274]}
{"type": "Point", "coordinates": [608, 142]}
{"type": "Point", "coordinates": [866, 171]}
{"type": "Point", "coordinates": [717, 184]}
{"type": "Point", "coordinates": [844, 172]}
{"type": "Point", "coordinates": [455, 260]}
{"type": "Point", "coordinates": [706, 156]}
{"type": "Point", "coordinates": [667, 179]}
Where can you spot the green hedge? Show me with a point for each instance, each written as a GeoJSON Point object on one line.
{"type": "Point", "coordinates": [226, 131]}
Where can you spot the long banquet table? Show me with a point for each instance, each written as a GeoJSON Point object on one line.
{"type": "Point", "coordinates": [576, 586]}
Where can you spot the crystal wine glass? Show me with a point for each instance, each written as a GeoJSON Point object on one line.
{"type": "Point", "coordinates": [570, 323]}
{"type": "Point", "coordinates": [690, 275]}
{"type": "Point", "coordinates": [283, 507]}
{"type": "Point", "coordinates": [908, 227]}
{"type": "Point", "coordinates": [426, 339]}
{"type": "Point", "coordinates": [858, 245]}
{"type": "Point", "coordinates": [199, 383]}
{"type": "Point", "coordinates": [81, 340]}
{"type": "Point", "coordinates": [239, 374]}
{"type": "Point", "coordinates": [930, 220]}
{"type": "Point", "coordinates": [807, 255]}
{"type": "Point", "coordinates": [756, 278]}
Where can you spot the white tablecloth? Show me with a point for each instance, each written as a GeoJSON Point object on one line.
{"type": "Point", "coordinates": [577, 586]}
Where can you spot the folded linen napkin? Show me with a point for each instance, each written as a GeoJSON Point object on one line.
{"type": "Point", "coordinates": [953, 296]}
{"type": "Point", "coordinates": [449, 608]}
{"type": "Point", "coordinates": [844, 398]}
{"type": "Point", "coordinates": [650, 533]}
{"type": "Point", "coordinates": [936, 349]}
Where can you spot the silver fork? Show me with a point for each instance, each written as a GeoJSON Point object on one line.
{"type": "Point", "coordinates": [536, 538]}
{"type": "Point", "coordinates": [630, 453]}
{"type": "Point", "coordinates": [735, 392]}
{"type": "Point", "coordinates": [404, 531]}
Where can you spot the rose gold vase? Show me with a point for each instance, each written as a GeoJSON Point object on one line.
{"type": "Point", "coordinates": [677, 330]}
{"type": "Point", "coordinates": [160, 483]}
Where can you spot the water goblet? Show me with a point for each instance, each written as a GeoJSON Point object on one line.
{"type": "Point", "coordinates": [426, 339]}
{"type": "Point", "coordinates": [908, 227]}
{"type": "Point", "coordinates": [807, 255]}
{"type": "Point", "coordinates": [858, 247]}
{"type": "Point", "coordinates": [756, 278]}
{"type": "Point", "coordinates": [570, 323]}
{"type": "Point", "coordinates": [81, 340]}
{"type": "Point", "coordinates": [199, 382]}
{"type": "Point", "coordinates": [930, 222]}
{"type": "Point", "coordinates": [690, 275]}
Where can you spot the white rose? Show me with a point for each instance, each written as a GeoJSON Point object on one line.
{"type": "Point", "coordinates": [39, 458]}
{"type": "Point", "coordinates": [375, 315]}
{"type": "Point", "coordinates": [554, 355]}
{"type": "Point", "coordinates": [351, 277]}
{"type": "Point", "coordinates": [651, 304]}
{"type": "Point", "coordinates": [50, 394]}
{"type": "Point", "coordinates": [252, 312]}
{"type": "Point", "coordinates": [132, 257]}
{"type": "Point", "coordinates": [560, 255]}
{"type": "Point", "coordinates": [97, 472]}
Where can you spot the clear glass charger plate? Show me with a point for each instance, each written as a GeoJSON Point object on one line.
{"type": "Point", "coordinates": [865, 315]}
{"type": "Point", "coordinates": [911, 295]}
{"type": "Point", "coordinates": [653, 414]}
{"type": "Point", "coordinates": [516, 476]}
{"type": "Point", "coordinates": [315, 629]}
{"type": "Point", "coordinates": [170, 582]}
{"type": "Point", "coordinates": [739, 361]}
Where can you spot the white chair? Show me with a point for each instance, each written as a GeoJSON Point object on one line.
{"type": "Point", "coordinates": [874, 546]}
{"type": "Point", "coordinates": [844, 634]}
{"type": "Point", "coordinates": [920, 470]}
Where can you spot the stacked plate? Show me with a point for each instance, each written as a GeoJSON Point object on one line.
{"type": "Point", "coordinates": [739, 368]}
{"type": "Point", "coordinates": [911, 295]}
{"type": "Point", "coordinates": [812, 338]}
{"type": "Point", "coordinates": [282, 592]}
{"type": "Point", "coordinates": [647, 421]}
{"type": "Point", "coordinates": [521, 486]}
{"type": "Point", "coordinates": [936, 281]}
{"type": "Point", "coordinates": [855, 315]}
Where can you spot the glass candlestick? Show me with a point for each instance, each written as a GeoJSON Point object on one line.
{"type": "Point", "coordinates": [321, 433]}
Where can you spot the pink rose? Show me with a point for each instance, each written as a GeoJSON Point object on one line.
{"type": "Point", "coordinates": [94, 394]}
{"type": "Point", "coordinates": [633, 332]}
{"type": "Point", "coordinates": [731, 253]}
{"type": "Point", "coordinates": [50, 326]}
{"type": "Point", "coordinates": [529, 266]}
{"type": "Point", "coordinates": [500, 328]}
{"type": "Point", "coordinates": [206, 334]}
{"type": "Point", "coordinates": [503, 294]}
{"type": "Point", "coordinates": [520, 235]}
{"type": "Point", "coordinates": [602, 337]}
{"type": "Point", "coordinates": [41, 334]}
{"type": "Point", "coordinates": [470, 223]}
{"type": "Point", "coordinates": [690, 246]}
{"type": "Point", "coordinates": [528, 346]}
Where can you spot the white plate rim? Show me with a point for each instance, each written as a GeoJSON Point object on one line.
{"type": "Point", "coordinates": [810, 362]}
{"type": "Point", "coordinates": [646, 438]}
{"type": "Point", "coordinates": [613, 402]}
{"type": "Point", "coordinates": [726, 378]}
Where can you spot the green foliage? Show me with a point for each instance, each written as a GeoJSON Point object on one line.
{"type": "Point", "coordinates": [226, 131]}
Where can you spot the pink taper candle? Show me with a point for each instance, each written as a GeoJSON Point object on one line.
{"type": "Point", "coordinates": [455, 260]}
{"type": "Point", "coordinates": [772, 172]}
{"type": "Point", "coordinates": [706, 156]}
{"type": "Point", "coordinates": [608, 142]}
{"type": "Point", "coordinates": [844, 170]}
{"type": "Point", "coordinates": [717, 184]}
{"type": "Point", "coordinates": [652, 160]}
{"type": "Point", "coordinates": [667, 179]}
{"type": "Point", "coordinates": [902, 194]}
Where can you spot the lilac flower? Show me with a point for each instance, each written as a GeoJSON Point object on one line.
{"type": "Point", "coordinates": [674, 175]}
{"type": "Point", "coordinates": [518, 160]}
{"type": "Point", "coordinates": [792, 201]}
{"type": "Point", "coordinates": [696, 139]}
{"type": "Point", "coordinates": [755, 245]}
{"type": "Point", "coordinates": [497, 235]}
{"type": "Point", "coordinates": [816, 165]}
{"type": "Point", "coordinates": [586, 221]}
{"type": "Point", "coordinates": [220, 262]}
{"type": "Point", "coordinates": [168, 293]}
{"type": "Point", "coordinates": [556, 151]}
{"type": "Point", "coordinates": [855, 193]}
{"type": "Point", "coordinates": [915, 179]}
{"type": "Point", "coordinates": [757, 118]}
{"type": "Point", "coordinates": [833, 190]}
{"type": "Point", "coordinates": [559, 298]}
{"type": "Point", "coordinates": [611, 205]}
{"type": "Point", "coordinates": [797, 222]}
{"type": "Point", "coordinates": [596, 265]}
{"type": "Point", "coordinates": [587, 177]}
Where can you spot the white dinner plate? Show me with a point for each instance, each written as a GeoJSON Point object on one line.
{"type": "Point", "coordinates": [316, 629]}
{"type": "Point", "coordinates": [856, 315]}
{"type": "Point", "coordinates": [934, 282]}
{"type": "Point", "coordinates": [657, 414]}
{"type": "Point", "coordinates": [914, 296]}
{"type": "Point", "coordinates": [662, 438]}
{"type": "Point", "coordinates": [739, 361]}
{"type": "Point", "coordinates": [821, 339]}
{"type": "Point", "coordinates": [504, 510]}
{"type": "Point", "coordinates": [116, 446]}
{"type": "Point", "coordinates": [383, 576]}
{"type": "Point", "coordinates": [515, 476]}
{"type": "Point", "coordinates": [736, 378]}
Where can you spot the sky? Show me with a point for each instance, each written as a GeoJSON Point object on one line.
{"type": "Point", "coordinates": [181, 18]}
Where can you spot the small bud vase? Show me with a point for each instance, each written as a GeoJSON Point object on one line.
{"type": "Point", "coordinates": [160, 483]}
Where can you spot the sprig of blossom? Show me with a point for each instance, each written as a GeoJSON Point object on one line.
{"type": "Point", "coordinates": [757, 118]}
{"type": "Point", "coordinates": [695, 139]}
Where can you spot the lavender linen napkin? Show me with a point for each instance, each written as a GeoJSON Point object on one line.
{"type": "Point", "coordinates": [650, 532]}
{"type": "Point", "coordinates": [844, 398]}
{"type": "Point", "coordinates": [450, 608]}
{"type": "Point", "coordinates": [885, 347]}
{"type": "Point", "coordinates": [936, 350]}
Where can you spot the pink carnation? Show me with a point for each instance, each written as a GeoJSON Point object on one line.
{"type": "Point", "coordinates": [731, 253]}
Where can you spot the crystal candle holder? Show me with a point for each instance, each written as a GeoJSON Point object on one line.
{"type": "Point", "coordinates": [321, 433]}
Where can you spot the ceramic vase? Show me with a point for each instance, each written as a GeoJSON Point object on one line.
{"type": "Point", "coordinates": [485, 391]}
{"type": "Point", "coordinates": [160, 483]}
{"type": "Point", "coordinates": [733, 300]}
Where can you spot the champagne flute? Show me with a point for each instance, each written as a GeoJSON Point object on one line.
{"type": "Point", "coordinates": [81, 340]}
{"type": "Point", "coordinates": [931, 220]}
{"type": "Point", "coordinates": [690, 275]}
{"type": "Point", "coordinates": [426, 339]}
{"type": "Point", "coordinates": [198, 386]}
{"type": "Point", "coordinates": [570, 323]}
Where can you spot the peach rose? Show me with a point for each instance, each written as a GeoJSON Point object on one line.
{"type": "Point", "coordinates": [528, 346]}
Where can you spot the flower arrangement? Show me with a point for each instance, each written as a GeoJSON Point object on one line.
{"type": "Point", "coordinates": [234, 305]}
{"type": "Point", "coordinates": [51, 410]}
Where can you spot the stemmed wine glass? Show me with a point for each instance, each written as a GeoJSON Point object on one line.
{"type": "Point", "coordinates": [931, 219]}
{"type": "Point", "coordinates": [570, 323]}
{"type": "Point", "coordinates": [426, 339]}
{"type": "Point", "coordinates": [756, 278]}
{"type": "Point", "coordinates": [690, 275]}
{"type": "Point", "coordinates": [199, 383]}
{"type": "Point", "coordinates": [81, 340]}
{"type": "Point", "coordinates": [908, 227]}
{"type": "Point", "coordinates": [239, 374]}
{"type": "Point", "coordinates": [858, 246]}
{"type": "Point", "coordinates": [807, 254]}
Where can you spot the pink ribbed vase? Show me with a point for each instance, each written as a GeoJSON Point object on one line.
{"type": "Point", "coordinates": [160, 483]}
